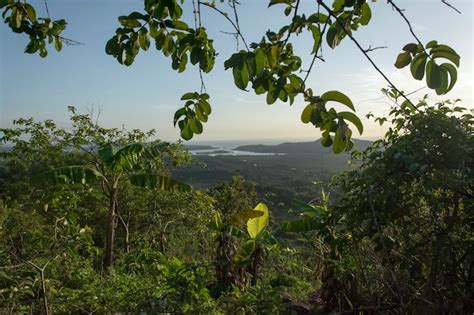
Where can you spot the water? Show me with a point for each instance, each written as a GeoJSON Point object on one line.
{"type": "Point", "coordinates": [225, 151]}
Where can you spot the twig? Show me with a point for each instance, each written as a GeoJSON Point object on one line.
{"type": "Point", "coordinates": [70, 42]}
{"type": "Point", "coordinates": [331, 13]}
{"type": "Point", "coordinates": [400, 11]}
{"type": "Point", "coordinates": [47, 10]}
{"type": "Point", "coordinates": [374, 48]}
{"type": "Point", "coordinates": [294, 15]}
{"type": "Point", "coordinates": [237, 29]}
{"type": "Point", "coordinates": [451, 6]}
{"type": "Point", "coordinates": [197, 23]}
{"type": "Point", "coordinates": [319, 48]}
{"type": "Point", "coordinates": [43, 284]}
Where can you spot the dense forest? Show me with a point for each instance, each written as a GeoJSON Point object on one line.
{"type": "Point", "coordinates": [92, 222]}
{"type": "Point", "coordinates": [101, 220]}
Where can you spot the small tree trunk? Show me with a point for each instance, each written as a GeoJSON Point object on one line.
{"type": "Point", "coordinates": [126, 242]}
{"type": "Point", "coordinates": [126, 233]}
{"type": "Point", "coordinates": [257, 257]}
{"type": "Point", "coordinates": [110, 230]}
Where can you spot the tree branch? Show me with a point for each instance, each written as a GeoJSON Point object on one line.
{"type": "Point", "coordinates": [294, 15]}
{"type": "Point", "coordinates": [319, 48]}
{"type": "Point", "coordinates": [43, 283]}
{"type": "Point", "coordinates": [374, 48]}
{"type": "Point", "coordinates": [392, 85]}
{"type": "Point", "coordinates": [451, 6]}
{"type": "Point", "coordinates": [400, 11]}
{"type": "Point", "coordinates": [236, 27]}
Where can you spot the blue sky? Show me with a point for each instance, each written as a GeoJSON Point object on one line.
{"type": "Point", "coordinates": [147, 94]}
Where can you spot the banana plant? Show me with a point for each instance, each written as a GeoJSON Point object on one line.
{"type": "Point", "coordinates": [251, 253]}
{"type": "Point", "coordinates": [111, 167]}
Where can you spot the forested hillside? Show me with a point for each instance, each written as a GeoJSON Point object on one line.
{"type": "Point", "coordinates": [92, 222]}
{"type": "Point", "coordinates": [96, 219]}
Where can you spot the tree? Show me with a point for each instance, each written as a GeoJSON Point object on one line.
{"type": "Point", "coordinates": [270, 66]}
{"type": "Point", "coordinates": [109, 157]}
{"type": "Point", "coordinates": [403, 221]}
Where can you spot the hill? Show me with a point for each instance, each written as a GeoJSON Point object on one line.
{"type": "Point", "coordinates": [314, 147]}
{"type": "Point", "coordinates": [290, 174]}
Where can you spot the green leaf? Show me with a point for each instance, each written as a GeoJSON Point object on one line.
{"type": "Point", "coordinates": [338, 5]}
{"type": "Point", "coordinates": [302, 206]}
{"type": "Point", "coordinates": [443, 48]}
{"type": "Point", "coordinates": [200, 114]}
{"type": "Point", "coordinates": [106, 154]}
{"type": "Point", "coordinates": [183, 62]}
{"type": "Point", "coordinates": [442, 89]}
{"type": "Point", "coordinates": [206, 107]}
{"type": "Point", "coordinates": [160, 41]}
{"type": "Point", "coordinates": [32, 47]}
{"type": "Point", "coordinates": [403, 60]}
{"type": "Point", "coordinates": [338, 97]}
{"type": "Point", "coordinates": [431, 44]}
{"type": "Point", "coordinates": [4, 3]}
{"type": "Point", "coordinates": [259, 62]}
{"type": "Point", "coordinates": [195, 125]}
{"type": "Point", "coordinates": [178, 25]}
{"type": "Point", "coordinates": [272, 56]}
{"type": "Point", "coordinates": [256, 225]}
{"type": "Point", "coordinates": [339, 144]}
{"type": "Point", "coordinates": [317, 18]}
{"type": "Point", "coordinates": [433, 75]}
{"type": "Point", "coordinates": [128, 22]}
{"type": "Point", "coordinates": [128, 157]}
{"type": "Point", "coordinates": [68, 174]}
{"type": "Point", "coordinates": [300, 225]}
{"type": "Point", "coordinates": [273, 2]}
{"type": "Point", "coordinates": [244, 215]}
{"type": "Point", "coordinates": [316, 37]}
{"type": "Point", "coordinates": [111, 48]}
{"type": "Point", "coordinates": [307, 113]}
{"type": "Point", "coordinates": [411, 47]}
{"type": "Point", "coordinates": [144, 39]}
{"type": "Point", "coordinates": [189, 96]}
{"type": "Point", "coordinates": [186, 132]}
{"type": "Point", "coordinates": [334, 35]}
{"type": "Point", "coordinates": [418, 65]}
{"type": "Point", "coordinates": [454, 58]}
{"type": "Point", "coordinates": [30, 12]}
{"type": "Point", "coordinates": [366, 14]}
{"type": "Point", "coordinates": [251, 64]}
{"type": "Point", "coordinates": [453, 75]}
{"type": "Point", "coordinates": [406, 104]}
{"type": "Point", "coordinates": [58, 43]}
{"type": "Point", "coordinates": [180, 112]}
{"type": "Point", "coordinates": [353, 119]}
{"type": "Point", "coordinates": [158, 182]}
{"type": "Point", "coordinates": [326, 140]}
{"type": "Point", "coordinates": [241, 76]}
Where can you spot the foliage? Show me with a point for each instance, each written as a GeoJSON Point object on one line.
{"type": "Point", "coordinates": [269, 66]}
{"type": "Point", "coordinates": [402, 223]}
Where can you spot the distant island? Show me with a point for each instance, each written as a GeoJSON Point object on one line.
{"type": "Point", "coordinates": [313, 147]}
{"type": "Point", "coordinates": [195, 147]}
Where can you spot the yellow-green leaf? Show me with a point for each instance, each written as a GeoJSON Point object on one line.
{"type": "Point", "coordinates": [256, 225]}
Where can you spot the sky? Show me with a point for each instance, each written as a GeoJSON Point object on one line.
{"type": "Point", "coordinates": [146, 94]}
